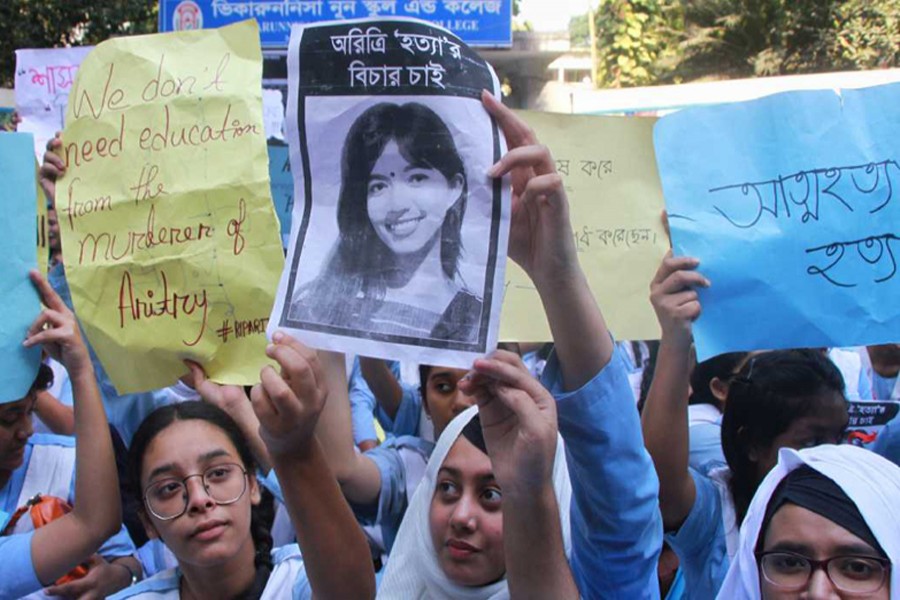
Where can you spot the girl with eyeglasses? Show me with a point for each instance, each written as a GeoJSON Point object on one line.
{"type": "Point", "coordinates": [196, 475]}
{"type": "Point", "coordinates": [780, 399]}
{"type": "Point", "coordinates": [823, 524]}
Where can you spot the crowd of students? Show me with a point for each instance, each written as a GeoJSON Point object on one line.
{"type": "Point", "coordinates": [530, 475]}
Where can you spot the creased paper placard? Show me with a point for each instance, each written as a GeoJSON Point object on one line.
{"type": "Point", "coordinates": [398, 236]}
{"type": "Point", "coordinates": [609, 171]}
{"type": "Point", "coordinates": [790, 204]}
{"type": "Point", "coordinates": [170, 239]}
{"type": "Point", "coordinates": [20, 305]}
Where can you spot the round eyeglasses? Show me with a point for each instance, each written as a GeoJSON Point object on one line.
{"type": "Point", "coordinates": [851, 574]}
{"type": "Point", "coordinates": [167, 499]}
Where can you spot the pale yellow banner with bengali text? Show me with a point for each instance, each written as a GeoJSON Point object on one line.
{"type": "Point", "coordinates": [609, 170]}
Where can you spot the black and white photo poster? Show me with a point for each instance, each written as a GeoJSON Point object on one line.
{"type": "Point", "coordinates": [398, 246]}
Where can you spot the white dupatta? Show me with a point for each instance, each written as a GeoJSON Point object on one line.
{"type": "Point", "coordinates": [870, 481]}
{"type": "Point", "coordinates": [413, 570]}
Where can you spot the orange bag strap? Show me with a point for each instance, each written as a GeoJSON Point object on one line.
{"type": "Point", "coordinates": [18, 514]}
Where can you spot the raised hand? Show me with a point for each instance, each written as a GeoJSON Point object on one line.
{"type": "Point", "coordinates": [540, 236]}
{"type": "Point", "coordinates": [674, 298]}
{"type": "Point", "coordinates": [288, 404]}
{"type": "Point", "coordinates": [230, 398]}
{"type": "Point", "coordinates": [518, 418]}
{"type": "Point", "coordinates": [53, 168]}
{"type": "Point", "coordinates": [57, 330]}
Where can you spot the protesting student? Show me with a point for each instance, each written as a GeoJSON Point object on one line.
{"type": "Point", "coordinates": [710, 381]}
{"type": "Point", "coordinates": [32, 558]}
{"type": "Point", "coordinates": [789, 398]}
{"type": "Point", "coordinates": [615, 528]}
{"type": "Point", "coordinates": [822, 524]}
{"type": "Point", "coordinates": [197, 478]}
{"type": "Point", "coordinates": [377, 392]}
{"type": "Point", "coordinates": [380, 482]}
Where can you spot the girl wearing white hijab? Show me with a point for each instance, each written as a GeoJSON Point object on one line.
{"type": "Point", "coordinates": [616, 529]}
{"type": "Point", "coordinates": [822, 524]}
{"type": "Point", "coordinates": [417, 568]}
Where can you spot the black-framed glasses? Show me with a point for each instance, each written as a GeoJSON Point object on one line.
{"type": "Point", "coordinates": [167, 499]}
{"type": "Point", "coordinates": [853, 574]}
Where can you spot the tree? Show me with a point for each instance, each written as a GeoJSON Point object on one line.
{"type": "Point", "coordinates": [56, 23]}
{"type": "Point", "coordinates": [642, 42]}
{"type": "Point", "coordinates": [634, 41]}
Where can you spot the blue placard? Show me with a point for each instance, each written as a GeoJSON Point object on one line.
{"type": "Point", "coordinates": [18, 247]}
{"type": "Point", "coordinates": [792, 205]}
{"type": "Point", "coordinates": [485, 23]}
{"type": "Point", "coordinates": [282, 184]}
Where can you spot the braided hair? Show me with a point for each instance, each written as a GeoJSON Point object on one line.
{"type": "Point", "coordinates": [260, 515]}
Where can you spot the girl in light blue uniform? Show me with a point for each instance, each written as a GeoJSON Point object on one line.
{"type": "Point", "coordinates": [196, 478]}
{"type": "Point", "coordinates": [33, 558]}
{"type": "Point", "coordinates": [780, 399]}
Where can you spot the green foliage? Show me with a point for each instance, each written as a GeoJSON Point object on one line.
{"type": "Point", "coordinates": [643, 42]}
{"type": "Point", "coordinates": [55, 23]}
{"type": "Point", "coordinates": [579, 34]}
{"type": "Point", "coordinates": [866, 34]}
{"type": "Point", "coordinates": [632, 41]}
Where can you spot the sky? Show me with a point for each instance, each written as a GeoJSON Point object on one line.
{"type": "Point", "coordinates": [551, 15]}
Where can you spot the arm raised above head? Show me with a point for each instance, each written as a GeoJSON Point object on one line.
{"type": "Point", "coordinates": [542, 243]}
{"type": "Point", "coordinates": [665, 417]}
{"type": "Point", "coordinates": [64, 543]}
{"type": "Point", "coordinates": [288, 406]}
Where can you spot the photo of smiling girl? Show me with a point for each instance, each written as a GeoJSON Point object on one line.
{"type": "Point", "coordinates": [400, 267]}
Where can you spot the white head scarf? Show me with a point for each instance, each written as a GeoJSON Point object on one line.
{"type": "Point", "coordinates": [413, 570]}
{"type": "Point", "coordinates": [870, 481]}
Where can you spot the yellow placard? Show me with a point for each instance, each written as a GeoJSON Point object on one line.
{"type": "Point", "coordinates": [170, 239]}
{"type": "Point", "coordinates": [609, 170]}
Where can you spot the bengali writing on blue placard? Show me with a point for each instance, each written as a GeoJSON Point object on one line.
{"type": "Point", "coordinates": [790, 203]}
{"type": "Point", "coordinates": [477, 22]}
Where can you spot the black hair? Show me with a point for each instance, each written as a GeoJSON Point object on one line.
{"type": "Point", "coordinates": [472, 432]}
{"type": "Point", "coordinates": [808, 488]}
{"type": "Point", "coordinates": [361, 263]}
{"type": "Point", "coordinates": [43, 380]}
{"type": "Point", "coordinates": [424, 371]}
{"type": "Point", "coordinates": [647, 374]}
{"type": "Point", "coordinates": [771, 391]}
{"type": "Point", "coordinates": [197, 410]}
{"type": "Point", "coordinates": [722, 367]}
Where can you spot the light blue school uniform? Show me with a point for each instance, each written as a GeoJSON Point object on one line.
{"type": "Point", "coordinates": [705, 436]}
{"type": "Point", "coordinates": [125, 412]}
{"type": "Point", "coordinates": [708, 537]}
{"type": "Point", "coordinates": [883, 387]}
{"type": "Point", "coordinates": [406, 421]}
{"type": "Point", "coordinates": [401, 462]}
{"type": "Point", "coordinates": [17, 574]}
{"type": "Point", "coordinates": [363, 407]}
{"type": "Point", "coordinates": [616, 526]}
{"type": "Point", "coordinates": [887, 444]}
{"type": "Point", "coordinates": [287, 580]}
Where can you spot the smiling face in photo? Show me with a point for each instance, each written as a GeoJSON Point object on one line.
{"type": "Point", "coordinates": [407, 202]}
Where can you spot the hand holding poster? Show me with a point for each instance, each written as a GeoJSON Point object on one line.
{"type": "Point", "coordinates": [399, 235]}
{"type": "Point", "coordinates": [20, 304]}
{"type": "Point", "coordinates": [615, 198]}
{"type": "Point", "coordinates": [789, 203]}
{"type": "Point", "coordinates": [170, 241]}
